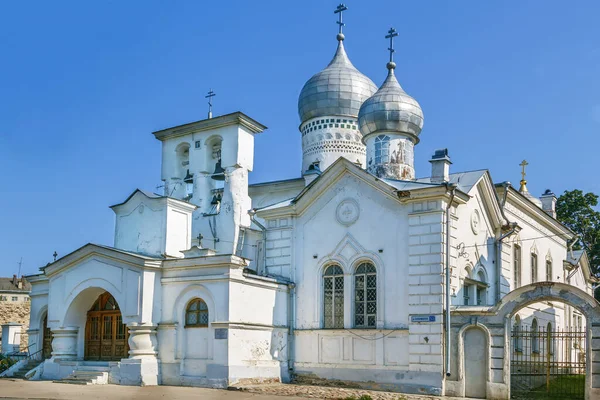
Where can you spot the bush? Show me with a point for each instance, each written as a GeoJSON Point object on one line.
{"type": "Point", "coordinates": [6, 363]}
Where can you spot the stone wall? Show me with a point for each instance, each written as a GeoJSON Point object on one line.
{"type": "Point", "coordinates": [16, 312]}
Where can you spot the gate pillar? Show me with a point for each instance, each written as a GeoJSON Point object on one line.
{"type": "Point", "coordinates": [594, 360]}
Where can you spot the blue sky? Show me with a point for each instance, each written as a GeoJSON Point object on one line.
{"type": "Point", "coordinates": [83, 85]}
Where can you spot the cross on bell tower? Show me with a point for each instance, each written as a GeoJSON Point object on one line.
{"type": "Point", "coordinates": [209, 96]}
{"type": "Point", "coordinates": [391, 35]}
{"type": "Point", "coordinates": [340, 10]}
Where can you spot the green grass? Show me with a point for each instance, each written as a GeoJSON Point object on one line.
{"type": "Point", "coordinates": [571, 387]}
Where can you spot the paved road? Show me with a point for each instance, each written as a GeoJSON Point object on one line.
{"type": "Point", "coordinates": [17, 389]}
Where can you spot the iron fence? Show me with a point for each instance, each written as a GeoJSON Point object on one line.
{"type": "Point", "coordinates": [547, 363]}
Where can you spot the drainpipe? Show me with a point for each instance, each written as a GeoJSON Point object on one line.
{"type": "Point", "coordinates": [451, 187]}
{"type": "Point", "coordinates": [498, 257]}
{"type": "Point", "coordinates": [498, 246]}
{"type": "Point", "coordinates": [291, 317]}
{"type": "Point", "coordinates": [264, 242]}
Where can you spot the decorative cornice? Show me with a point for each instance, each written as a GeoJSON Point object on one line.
{"type": "Point", "coordinates": [236, 118]}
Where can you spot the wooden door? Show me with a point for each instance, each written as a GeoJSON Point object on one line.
{"type": "Point", "coordinates": [105, 334]}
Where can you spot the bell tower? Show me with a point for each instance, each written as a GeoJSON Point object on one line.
{"type": "Point", "coordinates": [207, 163]}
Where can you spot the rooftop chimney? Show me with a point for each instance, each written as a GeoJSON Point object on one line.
{"type": "Point", "coordinates": [440, 166]}
{"type": "Point", "coordinates": [312, 173]}
{"type": "Point", "coordinates": [549, 203]}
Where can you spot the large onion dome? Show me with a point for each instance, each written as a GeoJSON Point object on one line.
{"type": "Point", "coordinates": [391, 109]}
{"type": "Point", "coordinates": [338, 90]}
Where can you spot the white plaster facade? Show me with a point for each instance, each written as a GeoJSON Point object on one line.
{"type": "Point", "coordinates": [340, 276]}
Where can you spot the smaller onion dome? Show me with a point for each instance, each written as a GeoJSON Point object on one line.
{"type": "Point", "coordinates": [391, 109]}
{"type": "Point", "coordinates": [338, 90]}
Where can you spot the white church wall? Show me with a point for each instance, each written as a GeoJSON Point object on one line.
{"type": "Point", "coordinates": [38, 310]}
{"type": "Point", "coordinates": [178, 231]}
{"type": "Point", "coordinates": [246, 336]}
{"type": "Point", "coordinates": [322, 237]}
{"type": "Point", "coordinates": [140, 226]}
{"type": "Point", "coordinates": [278, 253]}
{"type": "Point", "coordinates": [257, 336]}
{"type": "Point", "coordinates": [266, 194]}
{"type": "Point", "coordinates": [426, 289]}
{"type": "Point", "coordinates": [338, 228]}
{"type": "Point", "coordinates": [473, 252]}
{"type": "Point", "coordinates": [153, 226]}
{"type": "Point", "coordinates": [193, 356]}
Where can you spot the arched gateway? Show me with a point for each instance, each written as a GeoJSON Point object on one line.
{"type": "Point", "coordinates": [105, 333]}
{"type": "Point", "coordinates": [496, 323]}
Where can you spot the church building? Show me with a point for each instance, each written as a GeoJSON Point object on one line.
{"type": "Point", "coordinates": [356, 271]}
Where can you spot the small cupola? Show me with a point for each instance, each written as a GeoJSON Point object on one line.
{"type": "Point", "coordinates": [390, 122]}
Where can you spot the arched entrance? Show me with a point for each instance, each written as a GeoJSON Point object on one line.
{"type": "Point", "coordinates": [106, 335]}
{"type": "Point", "coordinates": [544, 360]}
{"type": "Point", "coordinates": [46, 340]}
{"type": "Point", "coordinates": [500, 321]}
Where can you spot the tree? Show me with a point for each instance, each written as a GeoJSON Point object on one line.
{"type": "Point", "coordinates": [576, 210]}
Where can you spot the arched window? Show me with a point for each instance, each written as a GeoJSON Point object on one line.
{"type": "Point", "coordinates": [196, 314]}
{"type": "Point", "coordinates": [517, 265]}
{"type": "Point", "coordinates": [518, 335]}
{"type": "Point", "coordinates": [333, 297]}
{"type": "Point", "coordinates": [549, 270]}
{"type": "Point", "coordinates": [550, 338]}
{"type": "Point", "coordinates": [535, 337]}
{"type": "Point", "coordinates": [365, 296]}
{"type": "Point", "coordinates": [382, 149]}
{"type": "Point", "coordinates": [481, 290]}
{"type": "Point", "coordinates": [534, 268]}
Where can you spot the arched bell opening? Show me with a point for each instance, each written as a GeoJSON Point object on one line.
{"type": "Point", "coordinates": [106, 336]}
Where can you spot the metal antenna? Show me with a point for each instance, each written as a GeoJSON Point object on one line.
{"type": "Point", "coordinates": [340, 10]}
{"type": "Point", "coordinates": [209, 96]}
{"type": "Point", "coordinates": [20, 263]}
{"type": "Point", "coordinates": [391, 35]}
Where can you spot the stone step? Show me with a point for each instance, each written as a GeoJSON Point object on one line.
{"type": "Point", "coordinates": [75, 381]}
{"type": "Point", "coordinates": [93, 368]}
{"type": "Point", "coordinates": [86, 377]}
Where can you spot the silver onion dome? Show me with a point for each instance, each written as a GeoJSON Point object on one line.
{"type": "Point", "coordinates": [339, 89]}
{"type": "Point", "coordinates": [391, 109]}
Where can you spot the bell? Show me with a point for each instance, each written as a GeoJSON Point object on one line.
{"type": "Point", "coordinates": [189, 178]}
{"type": "Point", "coordinates": [219, 174]}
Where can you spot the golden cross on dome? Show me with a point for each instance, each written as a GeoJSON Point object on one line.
{"type": "Point", "coordinates": [523, 182]}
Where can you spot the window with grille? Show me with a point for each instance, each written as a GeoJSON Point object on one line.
{"type": "Point", "coordinates": [382, 149]}
{"type": "Point", "coordinates": [518, 335]}
{"type": "Point", "coordinates": [333, 297]}
{"type": "Point", "coordinates": [365, 296]}
{"type": "Point", "coordinates": [517, 265]}
{"type": "Point", "coordinates": [535, 337]}
{"type": "Point", "coordinates": [534, 268]}
{"type": "Point", "coordinates": [196, 314]}
{"type": "Point", "coordinates": [548, 270]}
